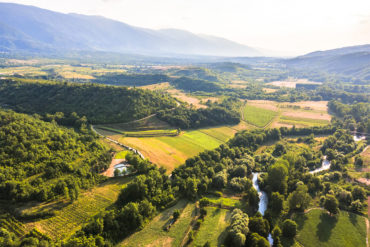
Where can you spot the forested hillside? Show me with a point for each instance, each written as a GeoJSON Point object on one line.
{"type": "Point", "coordinates": [41, 160]}
{"type": "Point", "coordinates": [99, 103]}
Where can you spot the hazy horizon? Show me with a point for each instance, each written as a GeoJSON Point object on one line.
{"type": "Point", "coordinates": [286, 26]}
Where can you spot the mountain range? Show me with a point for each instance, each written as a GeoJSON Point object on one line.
{"type": "Point", "coordinates": [352, 61]}
{"type": "Point", "coordinates": [32, 29]}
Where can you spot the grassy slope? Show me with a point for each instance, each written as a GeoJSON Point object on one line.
{"type": "Point", "coordinates": [258, 116]}
{"type": "Point", "coordinates": [153, 233]}
{"type": "Point", "coordinates": [213, 227]}
{"type": "Point", "coordinates": [71, 217]}
{"type": "Point", "coordinates": [317, 228]}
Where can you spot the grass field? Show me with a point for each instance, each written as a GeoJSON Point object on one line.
{"type": "Point", "coordinates": [71, 217]}
{"type": "Point", "coordinates": [153, 233]}
{"type": "Point", "coordinates": [170, 152]}
{"type": "Point", "coordinates": [317, 228]}
{"type": "Point", "coordinates": [226, 201]}
{"type": "Point", "coordinates": [258, 116]}
{"type": "Point", "coordinates": [213, 227]}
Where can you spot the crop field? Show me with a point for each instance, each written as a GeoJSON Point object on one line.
{"type": "Point", "coordinates": [71, 217]}
{"type": "Point", "coordinates": [300, 114]}
{"type": "Point", "coordinates": [258, 116]}
{"type": "Point", "coordinates": [317, 228]}
{"type": "Point", "coordinates": [305, 122]}
{"type": "Point", "coordinates": [171, 152]}
{"type": "Point", "coordinates": [148, 123]}
{"type": "Point", "coordinates": [154, 234]}
{"type": "Point", "coordinates": [212, 229]}
{"type": "Point", "coordinates": [144, 133]}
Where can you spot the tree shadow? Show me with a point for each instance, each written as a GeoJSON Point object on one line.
{"type": "Point", "coordinates": [353, 218]}
{"type": "Point", "coordinates": [300, 219]}
{"type": "Point", "coordinates": [325, 227]}
{"type": "Point", "coordinates": [217, 211]}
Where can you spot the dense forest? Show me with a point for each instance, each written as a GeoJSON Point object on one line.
{"type": "Point", "coordinates": [121, 79]}
{"type": "Point", "coordinates": [100, 104]}
{"type": "Point", "coordinates": [227, 112]}
{"type": "Point", "coordinates": [41, 160]}
{"type": "Point", "coordinates": [355, 117]}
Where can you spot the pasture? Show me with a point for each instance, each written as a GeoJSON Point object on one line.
{"type": "Point", "coordinates": [154, 234]}
{"type": "Point", "coordinates": [70, 217]}
{"type": "Point", "coordinates": [317, 228]}
{"type": "Point", "coordinates": [212, 229]}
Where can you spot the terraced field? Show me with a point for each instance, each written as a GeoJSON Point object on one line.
{"type": "Point", "coordinates": [71, 217]}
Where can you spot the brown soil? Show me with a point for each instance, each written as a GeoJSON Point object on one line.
{"type": "Point", "coordinates": [110, 171]}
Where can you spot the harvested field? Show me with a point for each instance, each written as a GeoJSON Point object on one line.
{"type": "Point", "coordinates": [292, 83]}
{"type": "Point", "coordinates": [186, 98]}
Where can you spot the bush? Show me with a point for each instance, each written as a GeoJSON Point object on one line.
{"type": "Point", "coordinates": [289, 228]}
{"type": "Point", "coordinates": [176, 214]}
{"type": "Point", "coordinates": [204, 202]}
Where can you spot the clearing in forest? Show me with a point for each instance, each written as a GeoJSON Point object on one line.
{"type": "Point", "coordinates": [154, 234]}
{"type": "Point", "coordinates": [213, 228]}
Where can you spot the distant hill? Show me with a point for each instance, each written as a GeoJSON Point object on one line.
{"type": "Point", "coordinates": [28, 28]}
{"type": "Point", "coordinates": [353, 62]}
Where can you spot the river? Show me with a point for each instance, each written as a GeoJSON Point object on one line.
{"type": "Point", "coordinates": [325, 165]}
{"type": "Point", "coordinates": [262, 205]}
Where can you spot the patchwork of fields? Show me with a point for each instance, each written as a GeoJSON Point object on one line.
{"type": "Point", "coordinates": [264, 113]}
{"type": "Point", "coordinates": [171, 152]}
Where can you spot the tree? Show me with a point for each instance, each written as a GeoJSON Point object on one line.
{"type": "Point", "coordinates": [289, 228]}
{"type": "Point", "coordinates": [277, 177]}
{"type": "Point", "coordinates": [359, 161]}
{"type": "Point", "coordinates": [176, 214]}
{"type": "Point", "coordinates": [276, 202]}
{"type": "Point", "coordinates": [299, 199]}
{"type": "Point", "coordinates": [331, 204]}
{"type": "Point", "coordinates": [358, 193]}
{"type": "Point", "coordinates": [255, 240]}
{"type": "Point", "coordinates": [259, 225]}
{"type": "Point", "coordinates": [356, 206]}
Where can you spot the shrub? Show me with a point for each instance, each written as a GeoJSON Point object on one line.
{"type": "Point", "coordinates": [289, 228]}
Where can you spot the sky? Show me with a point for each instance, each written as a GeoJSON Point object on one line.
{"type": "Point", "coordinates": [290, 27]}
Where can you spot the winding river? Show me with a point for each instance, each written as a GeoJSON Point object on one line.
{"type": "Point", "coordinates": [262, 205]}
{"type": "Point", "coordinates": [325, 165]}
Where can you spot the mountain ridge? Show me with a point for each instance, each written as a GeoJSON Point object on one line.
{"type": "Point", "coordinates": [30, 28]}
